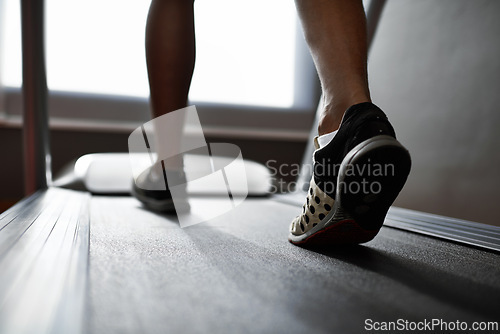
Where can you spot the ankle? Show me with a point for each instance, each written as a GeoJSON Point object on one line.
{"type": "Point", "coordinates": [332, 114]}
{"type": "Point", "coordinates": [328, 122]}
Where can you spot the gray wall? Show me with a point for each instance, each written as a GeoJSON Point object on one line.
{"type": "Point", "coordinates": [435, 69]}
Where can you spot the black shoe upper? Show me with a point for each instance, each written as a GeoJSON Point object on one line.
{"type": "Point", "coordinates": [153, 184]}
{"type": "Point", "coordinates": [361, 122]}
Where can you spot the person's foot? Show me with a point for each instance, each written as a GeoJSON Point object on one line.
{"type": "Point", "coordinates": [356, 178]}
{"type": "Point", "coordinates": [152, 189]}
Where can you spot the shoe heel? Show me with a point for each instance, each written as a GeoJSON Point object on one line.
{"type": "Point", "coordinates": [371, 177]}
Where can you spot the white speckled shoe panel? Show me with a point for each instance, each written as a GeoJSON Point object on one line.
{"type": "Point", "coordinates": [315, 209]}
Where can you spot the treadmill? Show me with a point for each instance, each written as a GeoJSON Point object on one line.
{"type": "Point", "coordinates": [76, 261]}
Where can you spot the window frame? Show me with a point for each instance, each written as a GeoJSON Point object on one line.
{"type": "Point", "coordinates": [113, 113]}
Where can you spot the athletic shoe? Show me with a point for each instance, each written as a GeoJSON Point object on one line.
{"type": "Point", "coordinates": [152, 190]}
{"type": "Point", "coordinates": [356, 178]}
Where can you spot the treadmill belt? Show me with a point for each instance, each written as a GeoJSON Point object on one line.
{"type": "Point", "coordinates": [239, 274]}
{"type": "Point", "coordinates": [139, 272]}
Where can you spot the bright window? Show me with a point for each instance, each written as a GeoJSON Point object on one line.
{"type": "Point", "coordinates": [245, 49]}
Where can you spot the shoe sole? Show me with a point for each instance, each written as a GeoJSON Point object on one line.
{"type": "Point", "coordinates": [362, 201]}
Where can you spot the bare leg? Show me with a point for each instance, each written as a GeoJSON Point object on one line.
{"type": "Point", "coordinates": [170, 53]}
{"type": "Point", "coordinates": [336, 33]}
{"type": "Point", "coordinates": [170, 56]}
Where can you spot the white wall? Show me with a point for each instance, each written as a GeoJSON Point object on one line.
{"type": "Point", "coordinates": [435, 69]}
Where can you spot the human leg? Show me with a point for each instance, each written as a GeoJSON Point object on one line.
{"type": "Point", "coordinates": [335, 31]}
{"type": "Point", "coordinates": [170, 53]}
{"type": "Point", "coordinates": [170, 56]}
{"type": "Point", "coordinates": [359, 166]}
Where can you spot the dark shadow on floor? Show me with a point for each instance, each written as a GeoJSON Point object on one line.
{"type": "Point", "coordinates": [454, 289]}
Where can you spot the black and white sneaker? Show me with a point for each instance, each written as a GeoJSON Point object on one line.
{"type": "Point", "coordinates": [152, 189]}
{"type": "Point", "coordinates": [356, 178]}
